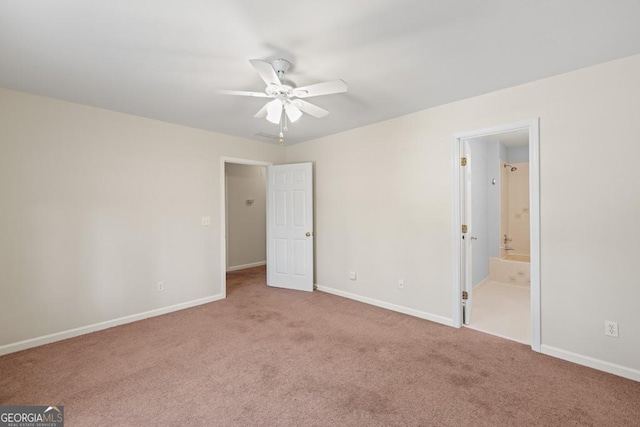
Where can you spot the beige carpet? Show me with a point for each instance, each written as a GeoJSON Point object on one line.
{"type": "Point", "coordinates": [273, 357]}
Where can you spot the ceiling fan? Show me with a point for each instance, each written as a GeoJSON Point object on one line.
{"type": "Point", "coordinates": [288, 99]}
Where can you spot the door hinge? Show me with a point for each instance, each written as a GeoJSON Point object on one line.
{"type": "Point", "coordinates": [463, 161]}
{"type": "Point", "coordinates": [465, 295]}
{"type": "Point", "coordinates": [464, 228]}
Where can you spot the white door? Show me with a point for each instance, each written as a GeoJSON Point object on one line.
{"type": "Point", "coordinates": [466, 235]}
{"type": "Point", "coordinates": [290, 226]}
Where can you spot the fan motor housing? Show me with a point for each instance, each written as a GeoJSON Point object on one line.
{"type": "Point", "coordinates": [281, 66]}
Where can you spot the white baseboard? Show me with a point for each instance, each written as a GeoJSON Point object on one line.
{"type": "Point", "coordinates": [59, 336]}
{"type": "Point", "coordinates": [243, 266]}
{"type": "Point", "coordinates": [389, 306]}
{"type": "Point", "coordinates": [601, 365]}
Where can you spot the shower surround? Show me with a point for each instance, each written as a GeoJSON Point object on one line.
{"type": "Point", "coordinates": [513, 266]}
{"type": "Point", "coordinates": [514, 208]}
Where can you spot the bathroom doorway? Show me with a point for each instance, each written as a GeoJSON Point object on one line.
{"type": "Point", "coordinates": [497, 231]}
{"type": "Point", "coordinates": [499, 235]}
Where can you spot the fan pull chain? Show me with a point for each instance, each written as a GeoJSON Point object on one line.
{"type": "Point", "coordinates": [282, 129]}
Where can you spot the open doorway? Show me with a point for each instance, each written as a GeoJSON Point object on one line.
{"type": "Point", "coordinates": [289, 224]}
{"type": "Point", "coordinates": [496, 220]}
{"type": "Point", "coordinates": [246, 213]}
{"type": "Point", "coordinates": [243, 217]}
{"type": "Point", "coordinates": [498, 235]}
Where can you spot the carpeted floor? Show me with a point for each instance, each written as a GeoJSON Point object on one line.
{"type": "Point", "coordinates": [273, 357]}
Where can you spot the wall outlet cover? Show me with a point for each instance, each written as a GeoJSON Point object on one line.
{"type": "Point", "coordinates": [611, 328]}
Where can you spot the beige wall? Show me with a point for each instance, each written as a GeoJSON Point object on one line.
{"type": "Point", "coordinates": [384, 205]}
{"type": "Point", "coordinates": [246, 223]}
{"type": "Point", "coordinates": [96, 207]}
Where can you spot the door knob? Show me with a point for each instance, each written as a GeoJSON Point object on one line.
{"type": "Point", "coordinates": [308, 234]}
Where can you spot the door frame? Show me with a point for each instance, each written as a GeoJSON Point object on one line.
{"type": "Point", "coordinates": [223, 212]}
{"type": "Point", "coordinates": [533, 125]}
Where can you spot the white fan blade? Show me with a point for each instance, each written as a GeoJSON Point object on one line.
{"type": "Point", "coordinates": [263, 112]}
{"type": "Point", "coordinates": [243, 93]}
{"type": "Point", "coordinates": [310, 108]}
{"type": "Point", "coordinates": [266, 72]}
{"type": "Point", "coordinates": [293, 112]}
{"type": "Point", "coordinates": [326, 88]}
{"type": "Point", "coordinates": [274, 111]}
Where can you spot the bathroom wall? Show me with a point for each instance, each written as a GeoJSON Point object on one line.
{"type": "Point", "coordinates": [485, 205]}
{"type": "Point", "coordinates": [514, 199]}
{"type": "Point", "coordinates": [504, 204]}
{"type": "Point", "coordinates": [493, 169]}
{"type": "Point", "coordinates": [517, 154]}
{"type": "Point", "coordinates": [518, 208]}
{"type": "Point", "coordinates": [479, 210]}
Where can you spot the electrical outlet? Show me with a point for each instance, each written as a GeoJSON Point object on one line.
{"type": "Point", "coordinates": [400, 284]}
{"type": "Point", "coordinates": [206, 220]}
{"type": "Point", "coordinates": [611, 328]}
{"type": "Point", "coordinates": [353, 275]}
{"type": "Point", "coordinates": [160, 286]}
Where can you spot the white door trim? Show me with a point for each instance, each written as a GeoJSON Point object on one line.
{"type": "Point", "coordinates": [534, 215]}
{"type": "Point", "coordinates": [223, 213]}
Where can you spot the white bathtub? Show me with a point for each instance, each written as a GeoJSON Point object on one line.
{"type": "Point", "coordinates": [512, 269]}
{"type": "Point", "coordinates": [523, 258]}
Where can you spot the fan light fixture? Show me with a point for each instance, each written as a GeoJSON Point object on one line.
{"type": "Point", "coordinates": [274, 111]}
{"type": "Point", "coordinates": [293, 112]}
{"type": "Point", "coordinates": [287, 98]}
{"type": "Point", "coordinates": [276, 108]}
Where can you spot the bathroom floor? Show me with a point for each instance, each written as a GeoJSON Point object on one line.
{"type": "Point", "coordinates": [502, 310]}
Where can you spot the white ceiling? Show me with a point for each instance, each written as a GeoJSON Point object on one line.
{"type": "Point", "coordinates": [166, 59]}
